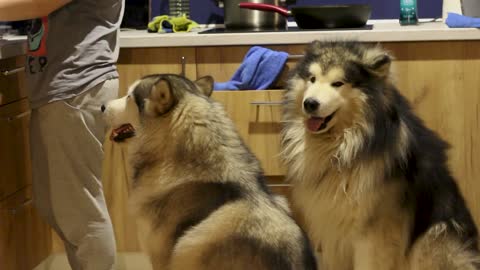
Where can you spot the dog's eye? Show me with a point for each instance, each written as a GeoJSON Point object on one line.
{"type": "Point", "coordinates": [128, 97]}
{"type": "Point", "coordinates": [313, 79]}
{"type": "Point", "coordinates": [337, 84]}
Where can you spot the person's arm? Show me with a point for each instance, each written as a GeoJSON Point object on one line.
{"type": "Point", "coordinates": [16, 10]}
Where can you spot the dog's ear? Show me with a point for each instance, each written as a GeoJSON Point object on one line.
{"type": "Point", "coordinates": [161, 98]}
{"type": "Point", "coordinates": [378, 62]}
{"type": "Point", "coordinates": [205, 84]}
{"type": "Point", "coordinates": [314, 47]}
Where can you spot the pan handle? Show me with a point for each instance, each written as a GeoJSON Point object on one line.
{"type": "Point", "coordinates": [288, 2]}
{"type": "Point", "coordinates": [265, 7]}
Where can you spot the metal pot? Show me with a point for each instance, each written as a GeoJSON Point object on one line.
{"type": "Point", "coordinates": [325, 16]}
{"type": "Point", "coordinates": [237, 18]}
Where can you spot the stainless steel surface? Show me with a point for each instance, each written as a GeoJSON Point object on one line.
{"type": "Point", "coordinates": [295, 56]}
{"type": "Point", "coordinates": [236, 17]}
{"type": "Point", "coordinates": [12, 48]}
{"type": "Point", "coordinates": [471, 8]}
{"type": "Point", "coordinates": [183, 62]}
{"type": "Point", "coordinates": [12, 71]}
{"type": "Point", "coordinates": [266, 103]}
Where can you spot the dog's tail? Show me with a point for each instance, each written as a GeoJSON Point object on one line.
{"type": "Point", "coordinates": [282, 202]}
{"type": "Point", "coordinates": [442, 249]}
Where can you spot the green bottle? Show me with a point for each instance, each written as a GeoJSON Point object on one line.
{"type": "Point", "coordinates": [408, 12]}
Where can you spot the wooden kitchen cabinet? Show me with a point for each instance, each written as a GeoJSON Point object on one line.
{"type": "Point", "coordinates": [15, 165]}
{"type": "Point", "coordinates": [12, 80]}
{"type": "Point", "coordinates": [257, 116]}
{"type": "Point", "coordinates": [136, 63]}
{"type": "Point", "coordinates": [25, 239]}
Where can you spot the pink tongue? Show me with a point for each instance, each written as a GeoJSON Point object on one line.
{"type": "Point", "coordinates": [314, 123]}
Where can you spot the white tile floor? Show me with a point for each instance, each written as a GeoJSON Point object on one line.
{"type": "Point", "coordinates": [125, 261]}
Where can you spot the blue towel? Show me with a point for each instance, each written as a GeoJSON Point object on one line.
{"type": "Point", "coordinates": [459, 21]}
{"type": "Point", "coordinates": [259, 69]}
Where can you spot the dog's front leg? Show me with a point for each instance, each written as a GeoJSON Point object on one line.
{"type": "Point", "coordinates": [156, 243]}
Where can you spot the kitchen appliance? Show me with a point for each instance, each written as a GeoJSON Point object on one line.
{"type": "Point", "coordinates": [237, 18]}
{"type": "Point", "coordinates": [317, 17]}
{"type": "Point", "coordinates": [136, 14]}
{"type": "Point", "coordinates": [471, 8]}
{"type": "Point", "coordinates": [223, 30]}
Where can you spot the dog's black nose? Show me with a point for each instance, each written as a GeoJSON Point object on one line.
{"type": "Point", "coordinates": [102, 108]}
{"type": "Point", "coordinates": [311, 105]}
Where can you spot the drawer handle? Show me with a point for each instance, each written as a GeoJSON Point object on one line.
{"type": "Point", "coordinates": [280, 185]}
{"type": "Point", "coordinates": [182, 62]}
{"type": "Point", "coordinates": [266, 103]}
{"type": "Point", "coordinates": [26, 203]}
{"type": "Point", "coordinates": [12, 71]}
{"type": "Point", "coordinates": [295, 56]}
{"type": "Point", "coordinates": [10, 119]}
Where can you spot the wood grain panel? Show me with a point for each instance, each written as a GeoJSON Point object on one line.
{"type": "Point", "coordinates": [258, 124]}
{"type": "Point", "coordinates": [116, 183]}
{"type": "Point", "coordinates": [12, 87]}
{"type": "Point", "coordinates": [25, 240]}
{"type": "Point", "coordinates": [136, 63]}
{"type": "Point", "coordinates": [442, 81]}
{"type": "Point", "coordinates": [15, 166]}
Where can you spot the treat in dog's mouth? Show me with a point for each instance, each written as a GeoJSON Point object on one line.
{"type": "Point", "coordinates": [316, 124]}
{"type": "Point", "coordinates": [123, 132]}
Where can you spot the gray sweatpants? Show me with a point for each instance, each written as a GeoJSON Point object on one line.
{"type": "Point", "coordinates": [66, 141]}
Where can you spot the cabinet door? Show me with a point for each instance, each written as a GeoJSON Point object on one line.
{"type": "Point", "coordinates": [135, 63]}
{"type": "Point", "coordinates": [25, 240]}
{"type": "Point", "coordinates": [11, 79]}
{"type": "Point", "coordinates": [257, 116]}
{"type": "Point", "coordinates": [15, 166]}
{"type": "Point", "coordinates": [222, 62]}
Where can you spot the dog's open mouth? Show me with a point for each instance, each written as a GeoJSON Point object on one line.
{"type": "Point", "coordinates": [316, 124]}
{"type": "Point", "coordinates": [123, 132]}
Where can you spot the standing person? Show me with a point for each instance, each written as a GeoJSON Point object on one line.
{"type": "Point", "coordinates": [70, 72]}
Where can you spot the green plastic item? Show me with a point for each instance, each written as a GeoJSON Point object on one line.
{"type": "Point", "coordinates": [179, 24]}
{"type": "Point", "coordinates": [408, 12]}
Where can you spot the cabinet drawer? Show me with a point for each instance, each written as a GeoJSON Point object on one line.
{"type": "Point", "coordinates": [12, 82]}
{"type": "Point", "coordinates": [15, 164]}
{"type": "Point", "coordinates": [257, 116]}
{"type": "Point", "coordinates": [25, 240]}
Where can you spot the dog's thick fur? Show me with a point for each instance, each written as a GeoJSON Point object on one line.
{"type": "Point", "coordinates": [372, 184]}
{"type": "Point", "coordinates": [198, 192]}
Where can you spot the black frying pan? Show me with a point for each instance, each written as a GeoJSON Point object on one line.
{"type": "Point", "coordinates": [317, 17]}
